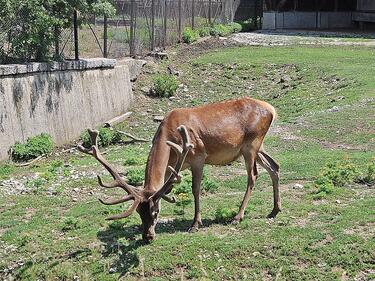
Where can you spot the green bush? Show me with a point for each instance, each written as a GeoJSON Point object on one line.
{"type": "Point", "coordinates": [220, 30]}
{"type": "Point", "coordinates": [204, 31]}
{"type": "Point", "coordinates": [235, 27]}
{"type": "Point", "coordinates": [6, 170]}
{"type": "Point", "coordinates": [340, 173]}
{"type": "Point", "coordinates": [189, 35]}
{"type": "Point", "coordinates": [36, 146]}
{"type": "Point", "coordinates": [164, 86]}
{"type": "Point", "coordinates": [135, 176]}
{"type": "Point", "coordinates": [369, 177]}
{"type": "Point", "coordinates": [224, 215]}
{"type": "Point", "coordinates": [106, 138]}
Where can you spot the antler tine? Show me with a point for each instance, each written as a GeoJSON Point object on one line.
{"type": "Point", "coordinates": [126, 213]}
{"type": "Point", "coordinates": [181, 152]}
{"type": "Point", "coordinates": [117, 201]}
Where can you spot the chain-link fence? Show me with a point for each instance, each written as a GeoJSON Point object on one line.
{"type": "Point", "coordinates": [138, 27]}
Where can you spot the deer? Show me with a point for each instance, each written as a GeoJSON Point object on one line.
{"type": "Point", "coordinates": [213, 134]}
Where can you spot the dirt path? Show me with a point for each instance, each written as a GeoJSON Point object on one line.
{"type": "Point", "coordinates": [300, 37]}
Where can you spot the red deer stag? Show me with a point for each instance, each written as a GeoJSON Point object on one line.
{"type": "Point", "coordinates": [215, 134]}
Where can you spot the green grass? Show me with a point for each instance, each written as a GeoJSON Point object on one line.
{"type": "Point", "coordinates": [65, 236]}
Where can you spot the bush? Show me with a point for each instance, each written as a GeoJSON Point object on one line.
{"type": "Point", "coordinates": [189, 35]}
{"type": "Point", "coordinates": [106, 138]}
{"type": "Point", "coordinates": [210, 185]}
{"type": "Point", "coordinates": [369, 177]}
{"type": "Point", "coordinates": [224, 215]}
{"type": "Point", "coordinates": [135, 176]}
{"type": "Point", "coordinates": [235, 27]}
{"type": "Point", "coordinates": [164, 86]}
{"type": "Point", "coordinates": [204, 31]}
{"type": "Point", "coordinates": [220, 30]}
{"type": "Point", "coordinates": [340, 173]}
{"type": "Point", "coordinates": [5, 170]}
{"type": "Point", "coordinates": [36, 146]}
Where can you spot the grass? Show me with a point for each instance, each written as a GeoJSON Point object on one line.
{"type": "Point", "coordinates": [65, 236]}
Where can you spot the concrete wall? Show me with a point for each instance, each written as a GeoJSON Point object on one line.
{"type": "Point", "coordinates": [61, 103]}
{"type": "Point", "coordinates": [307, 20]}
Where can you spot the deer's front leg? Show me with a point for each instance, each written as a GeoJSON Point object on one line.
{"type": "Point", "coordinates": [197, 172]}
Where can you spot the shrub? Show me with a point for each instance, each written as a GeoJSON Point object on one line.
{"type": "Point", "coordinates": [210, 185]}
{"type": "Point", "coordinates": [220, 30]}
{"type": "Point", "coordinates": [36, 146]}
{"type": "Point", "coordinates": [369, 177]}
{"type": "Point", "coordinates": [5, 170]}
{"type": "Point", "coordinates": [223, 215]}
{"type": "Point", "coordinates": [235, 27]}
{"type": "Point", "coordinates": [106, 138]}
{"type": "Point", "coordinates": [189, 35]}
{"type": "Point", "coordinates": [135, 176]}
{"type": "Point", "coordinates": [164, 86]}
{"type": "Point", "coordinates": [340, 173]}
{"type": "Point", "coordinates": [204, 31]}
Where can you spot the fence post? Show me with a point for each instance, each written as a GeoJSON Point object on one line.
{"type": "Point", "coordinates": [209, 11]}
{"type": "Point", "coordinates": [165, 25]}
{"type": "Point", "coordinates": [75, 28]}
{"type": "Point", "coordinates": [192, 14]}
{"type": "Point", "coordinates": [152, 25]}
{"type": "Point", "coordinates": [179, 20]}
{"type": "Point", "coordinates": [105, 37]}
{"type": "Point", "coordinates": [57, 47]}
{"type": "Point", "coordinates": [132, 2]}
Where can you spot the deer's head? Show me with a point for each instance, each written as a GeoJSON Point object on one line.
{"type": "Point", "coordinates": [145, 202]}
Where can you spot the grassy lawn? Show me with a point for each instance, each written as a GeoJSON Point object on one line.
{"type": "Point", "coordinates": [325, 98]}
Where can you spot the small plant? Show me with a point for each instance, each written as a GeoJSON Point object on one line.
{"type": "Point", "coordinates": [164, 86]}
{"type": "Point", "coordinates": [189, 35]}
{"type": "Point", "coordinates": [133, 157]}
{"type": "Point", "coordinates": [204, 31]}
{"type": "Point", "coordinates": [135, 176]}
{"type": "Point", "coordinates": [5, 170]}
{"type": "Point", "coordinates": [340, 173]}
{"type": "Point", "coordinates": [235, 27]}
{"type": "Point", "coordinates": [35, 146]}
{"type": "Point", "coordinates": [106, 138]}
{"type": "Point", "coordinates": [369, 177]}
{"type": "Point", "coordinates": [220, 30]}
{"type": "Point", "coordinates": [210, 185]}
{"type": "Point", "coordinates": [224, 215]}
{"type": "Point", "coordinates": [70, 223]}
{"type": "Point", "coordinates": [182, 192]}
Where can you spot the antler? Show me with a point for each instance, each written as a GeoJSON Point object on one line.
{"type": "Point", "coordinates": [175, 177]}
{"type": "Point", "coordinates": [133, 193]}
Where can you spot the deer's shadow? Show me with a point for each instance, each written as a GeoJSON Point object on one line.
{"type": "Point", "coordinates": [125, 240]}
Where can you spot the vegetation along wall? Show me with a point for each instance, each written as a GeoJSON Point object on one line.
{"type": "Point", "coordinates": [61, 99]}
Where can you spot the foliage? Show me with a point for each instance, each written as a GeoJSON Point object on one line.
{"type": "Point", "coordinates": [70, 223]}
{"type": "Point", "coordinates": [35, 146]}
{"type": "Point", "coordinates": [31, 25]}
{"type": "Point", "coordinates": [220, 30]}
{"type": "Point", "coordinates": [135, 176]}
{"type": "Point", "coordinates": [6, 170]}
{"type": "Point", "coordinates": [224, 214]}
{"type": "Point", "coordinates": [106, 137]}
{"type": "Point", "coordinates": [369, 177]}
{"type": "Point", "coordinates": [189, 35]}
{"type": "Point", "coordinates": [208, 184]}
{"type": "Point", "coordinates": [183, 194]}
{"type": "Point", "coordinates": [164, 86]}
{"type": "Point", "coordinates": [204, 31]}
{"type": "Point", "coordinates": [249, 24]}
{"type": "Point", "coordinates": [235, 27]}
{"type": "Point", "coordinates": [340, 173]}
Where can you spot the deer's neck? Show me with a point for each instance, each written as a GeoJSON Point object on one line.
{"type": "Point", "coordinates": [157, 161]}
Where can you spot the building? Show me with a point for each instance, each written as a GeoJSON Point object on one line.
{"type": "Point", "coordinates": [318, 14]}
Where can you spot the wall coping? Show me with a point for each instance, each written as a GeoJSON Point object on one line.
{"type": "Point", "coordinates": [33, 67]}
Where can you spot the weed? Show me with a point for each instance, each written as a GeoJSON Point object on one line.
{"type": "Point", "coordinates": [204, 31]}
{"type": "Point", "coordinates": [70, 223]}
{"type": "Point", "coordinates": [220, 30]}
{"type": "Point", "coordinates": [132, 157]}
{"type": "Point", "coordinates": [35, 146]}
{"type": "Point", "coordinates": [223, 215]}
{"type": "Point", "coordinates": [164, 86]}
{"type": "Point", "coordinates": [189, 35]}
{"type": "Point", "coordinates": [6, 170]}
{"type": "Point", "coordinates": [235, 27]}
{"type": "Point", "coordinates": [135, 176]}
{"type": "Point", "coordinates": [369, 177]}
{"type": "Point", "coordinates": [340, 173]}
{"type": "Point", "coordinates": [106, 138]}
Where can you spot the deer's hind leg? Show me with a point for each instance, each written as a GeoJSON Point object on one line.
{"type": "Point", "coordinates": [266, 161]}
{"type": "Point", "coordinates": [249, 156]}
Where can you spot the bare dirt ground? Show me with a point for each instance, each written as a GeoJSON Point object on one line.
{"type": "Point", "coordinates": [304, 37]}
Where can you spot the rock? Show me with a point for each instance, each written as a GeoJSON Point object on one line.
{"type": "Point", "coordinates": [145, 89]}
{"type": "Point", "coordinates": [297, 186]}
{"type": "Point", "coordinates": [158, 118]}
{"type": "Point", "coordinates": [173, 71]}
{"type": "Point", "coordinates": [333, 109]}
{"type": "Point", "coordinates": [338, 202]}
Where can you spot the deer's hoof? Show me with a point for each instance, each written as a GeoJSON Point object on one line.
{"type": "Point", "coordinates": [236, 220]}
{"type": "Point", "coordinates": [273, 214]}
{"type": "Point", "coordinates": [193, 229]}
